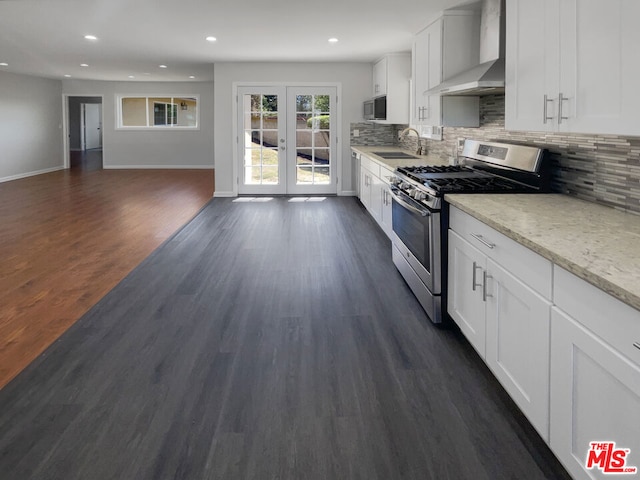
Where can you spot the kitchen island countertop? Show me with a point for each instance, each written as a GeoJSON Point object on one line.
{"type": "Point", "coordinates": [597, 243]}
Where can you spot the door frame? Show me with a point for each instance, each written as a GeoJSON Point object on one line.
{"type": "Point", "coordinates": [235, 136]}
{"type": "Point", "coordinates": [66, 148]}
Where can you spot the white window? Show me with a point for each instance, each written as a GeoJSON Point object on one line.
{"type": "Point", "coordinates": [137, 112]}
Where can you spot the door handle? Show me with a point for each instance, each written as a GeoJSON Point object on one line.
{"type": "Point", "coordinates": [545, 116]}
{"type": "Point", "coordinates": [481, 239]}
{"type": "Point", "coordinates": [408, 206]}
{"type": "Point", "coordinates": [473, 279]}
{"type": "Point", "coordinates": [561, 99]}
{"type": "Point", "coordinates": [485, 295]}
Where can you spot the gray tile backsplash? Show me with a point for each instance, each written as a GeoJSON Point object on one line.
{"type": "Point", "coordinates": [373, 134]}
{"type": "Point", "coordinates": [599, 168]}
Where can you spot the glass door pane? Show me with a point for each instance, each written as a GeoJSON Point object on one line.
{"type": "Point", "coordinates": [262, 140]}
{"type": "Point", "coordinates": [312, 128]}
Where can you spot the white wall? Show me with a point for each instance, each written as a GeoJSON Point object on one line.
{"type": "Point", "coordinates": [159, 148]}
{"type": "Point", "coordinates": [355, 79]}
{"type": "Point", "coordinates": [30, 126]}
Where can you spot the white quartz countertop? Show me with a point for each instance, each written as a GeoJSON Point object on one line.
{"type": "Point", "coordinates": [597, 243]}
{"type": "Point", "coordinates": [395, 163]}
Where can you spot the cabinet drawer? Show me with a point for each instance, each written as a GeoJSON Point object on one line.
{"type": "Point", "coordinates": [615, 322]}
{"type": "Point", "coordinates": [531, 268]}
{"type": "Point", "coordinates": [373, 167]}
{"type": "Point", "coordinates": [385, 174]}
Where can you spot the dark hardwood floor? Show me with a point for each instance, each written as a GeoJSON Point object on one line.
{"type": "Point", "coordinates": [267, 340]}
{"type": "Point", "coordinates": [86, 161]}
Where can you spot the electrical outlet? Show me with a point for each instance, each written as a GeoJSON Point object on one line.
{"type": "Point", "coordinates": [356, 133]}
{"type": "Point", "coordinates": [460, 142]}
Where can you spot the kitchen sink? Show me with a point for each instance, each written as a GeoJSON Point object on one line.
{"type": "Point", "coordinates": [394, 155]}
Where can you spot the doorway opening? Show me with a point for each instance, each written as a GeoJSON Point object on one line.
{"type": "Point", "coordinates": [85, 133]}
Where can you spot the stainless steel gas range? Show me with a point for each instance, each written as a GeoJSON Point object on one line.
{"type": "Point", "coordinates": [420, 215]}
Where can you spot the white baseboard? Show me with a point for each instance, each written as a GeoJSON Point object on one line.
{"type": "Point", "coordinates": [217, 194]}
{"type": "Point", "coordinates": [31, 174]}
{"type": "Point", "coordinates": [157, 167]}
{"type": "Point", "coordinates": [348, 193]}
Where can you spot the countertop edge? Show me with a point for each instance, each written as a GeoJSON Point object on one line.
{"type": "Point", "coordinates": [594, 279]}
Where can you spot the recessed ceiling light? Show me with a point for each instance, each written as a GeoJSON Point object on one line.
{"type": "Point", "coordinates": [90, 37]}
{"type": "Point", "coordinates": [146, 73]}
{"type": "Point", "coordinates": [84, 65]}
{"type": "Point", "coordinates": [4, 64]}
{"type": "Point", "coordinates": [192, 76]}
{"type": "Point", "coordinates": [211, 39]}
{"type": "Point", "coordinates": [67, 76]}
{"type": "Point", "coordinates": [333, 40]}
{"type": "Point", "coordinates": [132, 76]}
{"type": "Point", "coordinates": [162, 66]}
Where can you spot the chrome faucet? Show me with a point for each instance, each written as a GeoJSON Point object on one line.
{"type": "Point", "coordinates": [409, 129]}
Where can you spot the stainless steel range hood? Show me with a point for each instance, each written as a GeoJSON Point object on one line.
{"type": "Point", "coordinates": [488, 77]}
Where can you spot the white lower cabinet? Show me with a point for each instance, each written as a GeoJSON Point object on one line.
{"type": "Point", "coordinates": [503, 313]}
{"type": "Point", "coordinates": [386, 208]}
{"type": "Point", "coordinates": [567, 352]}
{"type": "Point", "coordinates": [374, 192]}
{"type": "Point", "coordinates": [595, 376]}
{"type": "Point", "coordinates": [365, 187]}
{"type": "Point", "coordinates": [465, 303]}
{"type": "Point", "coordinates": [517, 343]}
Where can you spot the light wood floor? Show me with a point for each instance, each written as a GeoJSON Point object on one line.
{"type": "Point", "coordinates": [68, 237]}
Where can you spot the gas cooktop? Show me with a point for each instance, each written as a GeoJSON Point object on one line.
{"type": "Point", "coordinates": [459, 178]}
{"type": "Point", "coordinates": [485, 167]}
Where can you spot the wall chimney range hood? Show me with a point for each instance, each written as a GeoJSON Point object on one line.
{"type": "Point", "coordinates": [487, 77]}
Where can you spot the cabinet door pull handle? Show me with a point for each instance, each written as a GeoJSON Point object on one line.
{"type": "Point", "coordinates": [473, 279]}
{"type": "Point", "coordinates": [561, 99]}
{"type": "Point", "coordinates": [546, 109]}
{"type": "Point", "coordinates": [637, 345]}
{"type": "Point", "coordinates": [481, 239]}
{"type": "Point", "coordinates": [485, 295]}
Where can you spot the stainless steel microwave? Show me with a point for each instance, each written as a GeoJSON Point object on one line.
{"type": "Point", "coordinates": [375, 109]}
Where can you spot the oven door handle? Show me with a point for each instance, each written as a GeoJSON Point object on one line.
{"type": "Point", "coordinates": [408, 206]}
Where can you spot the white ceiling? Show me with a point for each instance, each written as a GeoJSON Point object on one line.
{"type": "Point", "coordinates": [45, 37]}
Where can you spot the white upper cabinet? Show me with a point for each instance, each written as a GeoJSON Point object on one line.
{"type": "Point", "coordinates": [445, 48]}
{"type": "Point", "coordinates": [380, 77]}
{"type": "Point", "coordinates": [391, 77]}
{"type": "Point", "coordinates": [572, 66]}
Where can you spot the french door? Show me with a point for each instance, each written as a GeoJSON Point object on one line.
{"type": "Point", "coordinates": [287, 140]}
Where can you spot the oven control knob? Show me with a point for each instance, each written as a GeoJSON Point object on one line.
{"type": "Point", "coordinates": [420, 196]}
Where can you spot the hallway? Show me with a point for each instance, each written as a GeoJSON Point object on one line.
{"type": "Point", "coordinates": [86, 161]}
{"type": "Point", "coordinates": [69, 237]}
